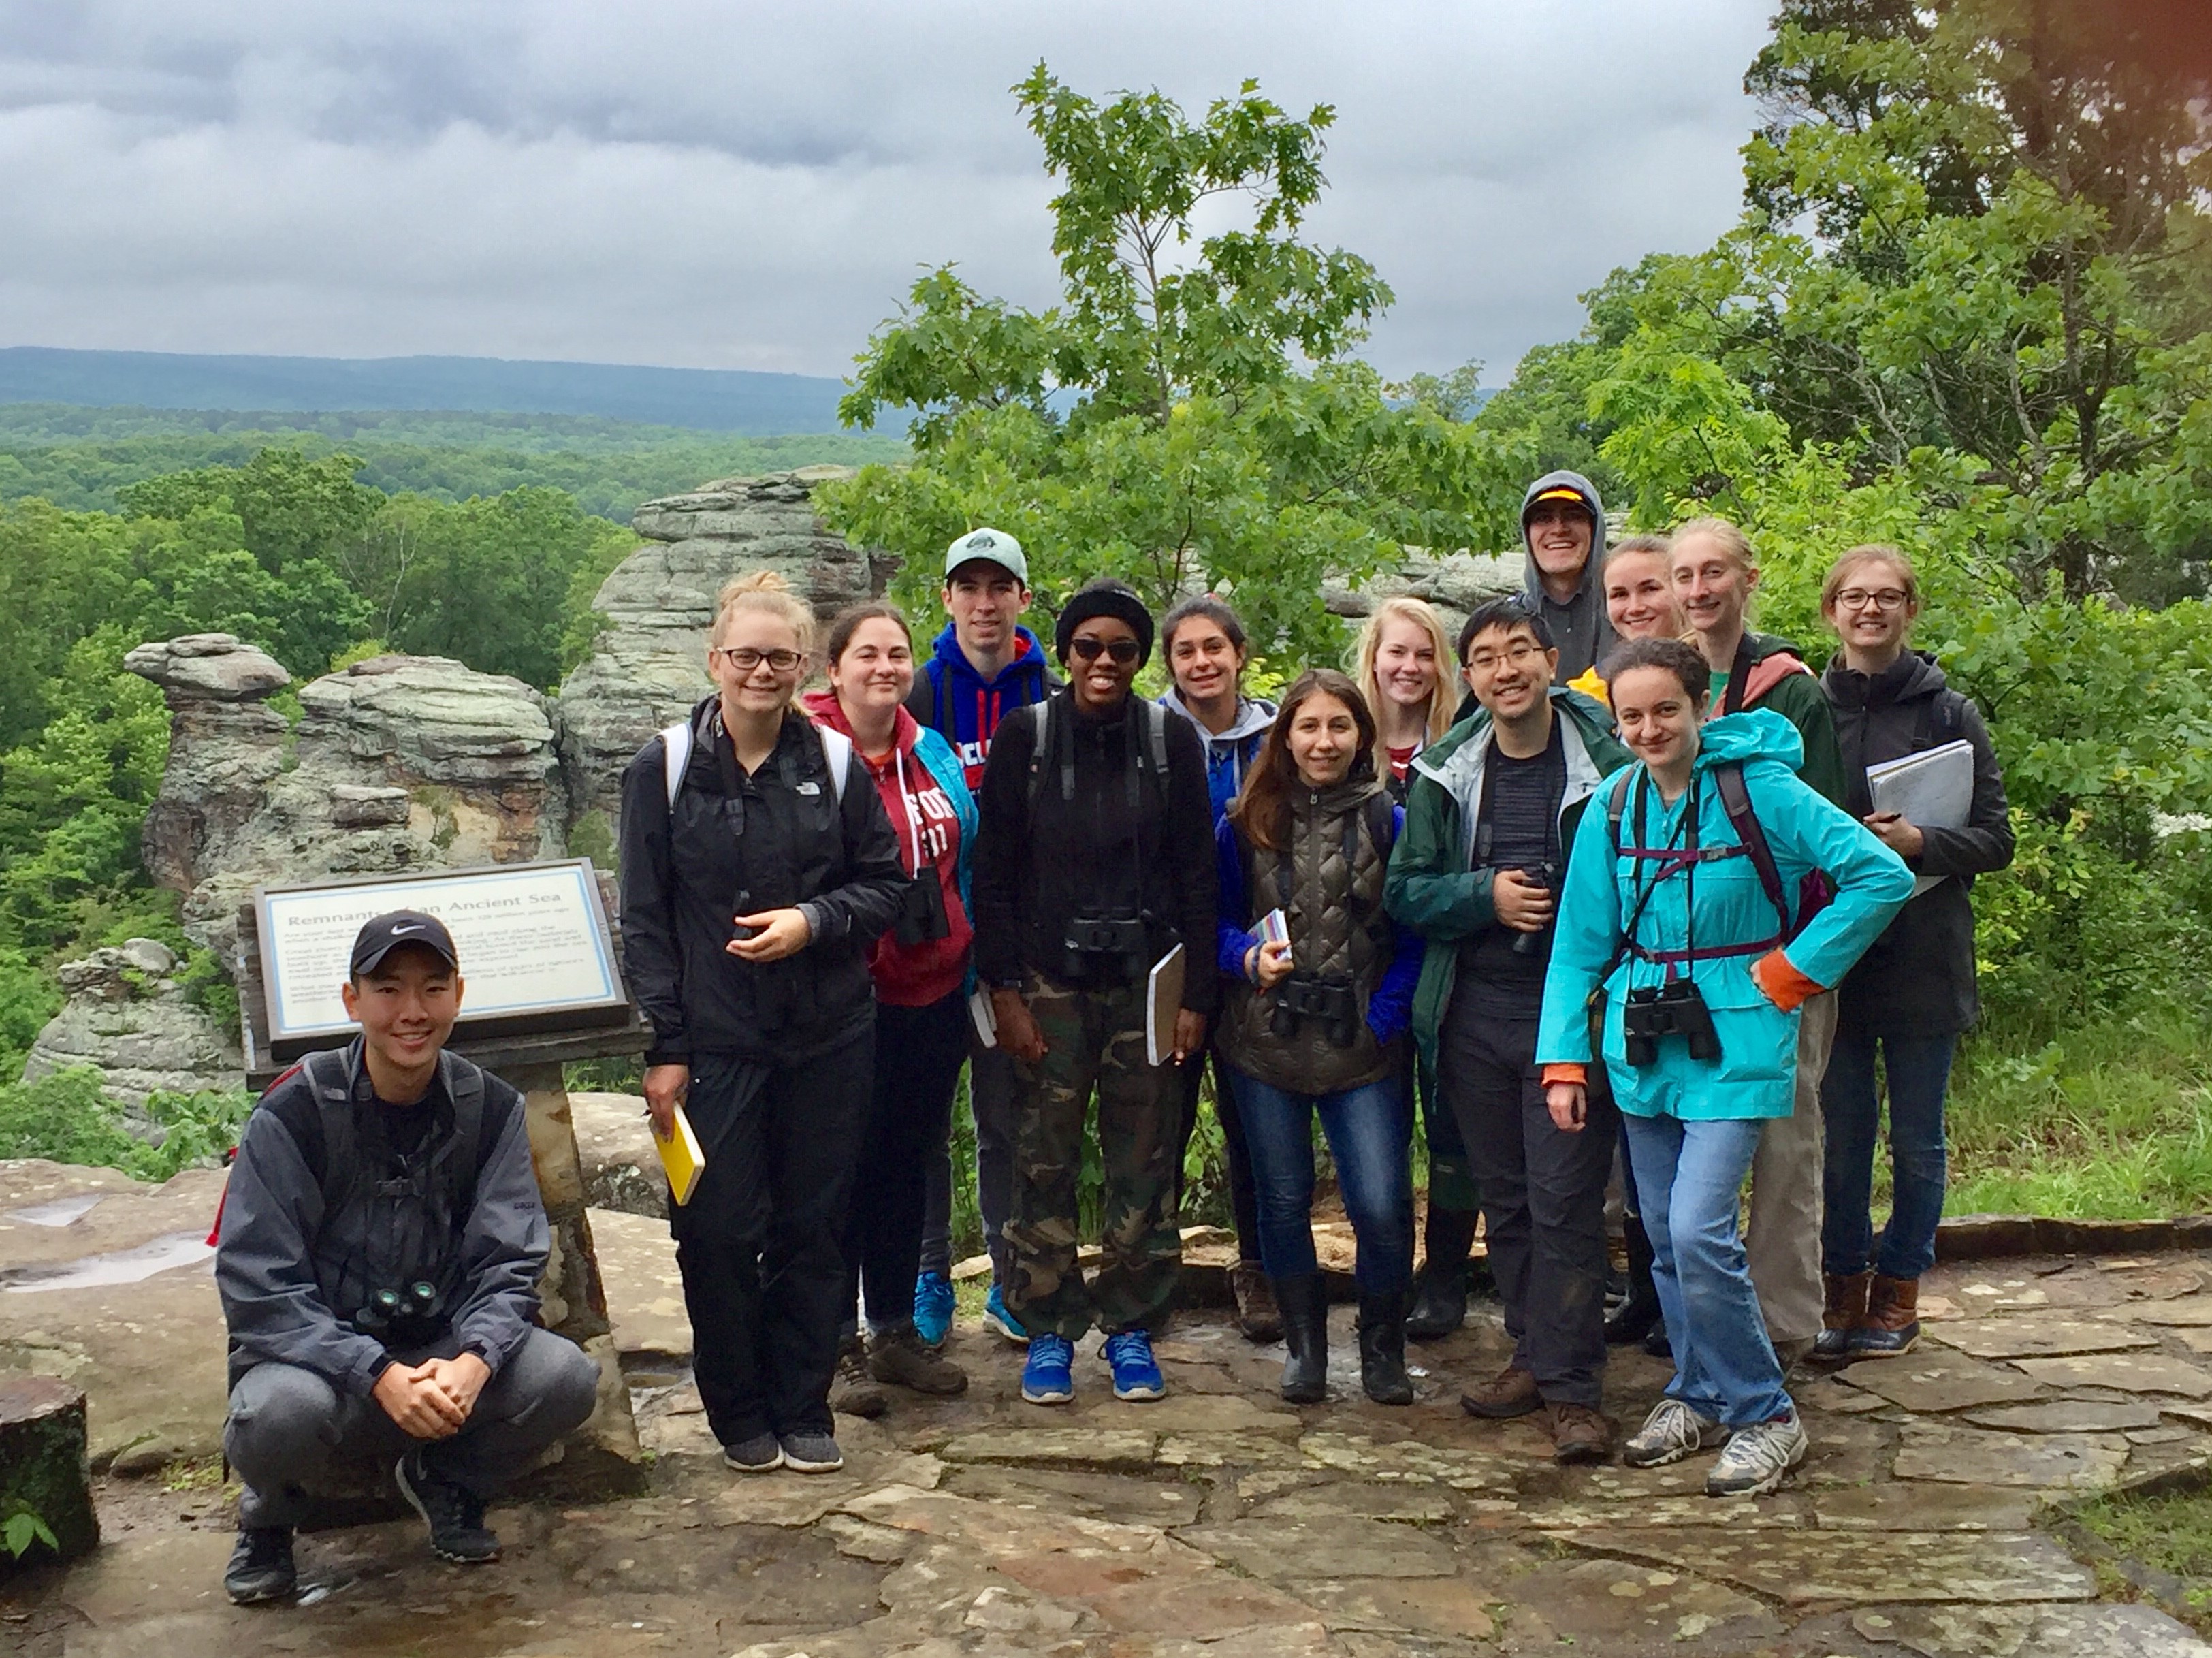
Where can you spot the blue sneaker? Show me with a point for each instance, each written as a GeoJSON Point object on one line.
{"type": "Point", "coordinates": [1001, 1322]}
{"type": "Point", "coordinates": [1136, 1373]}
{"type": "Point", "coordinates": [932, 1308]}
{"type": "Point", "coordinates": [1047, 1378]}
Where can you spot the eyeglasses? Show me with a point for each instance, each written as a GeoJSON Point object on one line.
{"type": "Point", "coordinates": [746, 660]}
{"type": "Point", "coordinates": [1486, 661]}
{"type": "Point", "coordinates": [1881, 599]}
{"type": "Point", "coordinates": [1090, 649]}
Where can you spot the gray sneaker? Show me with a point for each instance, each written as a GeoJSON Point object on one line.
{"type": "Point", "coordinates": [1671, 1432]}
{"type": "Point", "coordinates": [811, 1454]}
{"type": "Point", "coordinates": [1758, 1458]}
{"type": "Point", "coordinates": [759, 1454]}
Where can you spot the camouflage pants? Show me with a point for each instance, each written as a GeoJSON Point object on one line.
{"type": "Point", "coordinates": [1094, 1040]}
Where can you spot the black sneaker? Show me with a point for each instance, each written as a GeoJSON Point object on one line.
{"type": "Point", "coordinates": [758, 1455]}
{"type": "Point", "coordinates": [811, 1453]}
{"type": "Point", "coordinates": [455, 1516]}
{"type": "Point", "coordinates": [261, 1566]}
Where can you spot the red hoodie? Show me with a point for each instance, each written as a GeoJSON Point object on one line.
{"type": "Point", "coordinates": [928, 831]}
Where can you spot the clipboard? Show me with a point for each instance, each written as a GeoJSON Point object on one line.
{"type": "Point", "coordinates": [681, 1157]}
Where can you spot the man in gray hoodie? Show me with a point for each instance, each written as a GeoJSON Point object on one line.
{"type": "Point", "coordinates": [1563, 530]}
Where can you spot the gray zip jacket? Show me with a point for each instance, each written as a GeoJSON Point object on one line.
{"type": "Point", "coordinates": [289, 1273]}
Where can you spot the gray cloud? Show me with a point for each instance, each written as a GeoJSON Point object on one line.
{"type": "Point", "coordinates": [754, 186]}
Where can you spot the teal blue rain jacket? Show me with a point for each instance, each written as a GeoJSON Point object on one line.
{"type": "Point", "coordinates": [1755, 1075]}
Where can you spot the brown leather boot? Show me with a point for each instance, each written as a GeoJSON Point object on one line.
{"type": "Point", "coordinates": [1891, 1325]}
{"type": "Point", "coordinates": [1257, 1316]}
{"type": "Point", "coordinates": [1579, 1434]}
{"type": "Point", "coordinates": [1847, 1305]}
{"type": "Point", "coordinates": [1512, 1392]}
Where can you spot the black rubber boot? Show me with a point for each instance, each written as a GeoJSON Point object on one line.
{"type": "Point", "coordinates": [1302, 1303]}
{"type": "Point", "coordinates": [1440, 1298]}
{"type": "Point", "coordinates": [1383, 1348]}
{"type": "Point", "coordinates": [1640, 1312]}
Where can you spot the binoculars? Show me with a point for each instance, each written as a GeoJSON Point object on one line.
{"type": "Point", "coordinates": [922, 916]}
{"type": "Point", "coordinates": [408, 1317]}
{"type": "Point", "coordinates": [1676, 1008]}
{"type": "Point", "coordinates": [1547, 877]}
{"type": "Point", "coordinates": [1308, 996]}
{"type": "Point", "coordinates": [1096, 943]}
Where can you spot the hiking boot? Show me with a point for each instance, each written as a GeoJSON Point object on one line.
{"type": "Point", "coordinates": [1846, 1295]}
{"type": "Point", "coordinates": [1440, 1289]}
{"type": "Point", "coordinates": [261, 1566]}
{"type": "Point", "coordinates": [1001, 1322]}
{"type": "Point", "coordinates": [853, 1391]}
{"type": "Point", "coordinates": [1383, 1348]}
{"type": "Point", "coordinates": [1047, 1376]}
{"type": "Point", "coordinates": [811, 1453]}
{"type": "Point", "coordinates": [1892, 1324]}
{"type": "Point", "coordinates": [932, 1308]}
{"type": "Point", "coordinates": [1512, 1392]}
{"type": "Point", "coordinates": [899, 1357]}
{"type": "Point", "coordinates": [1579, 1434]}
{"type": "Point", "coordinates": [454, 1516]}
{"type": "Point", "coordinates": [1638, 1316]}
{"type": "Point", "coordinates": [1671, 1432]}
{"type": "Point", "coordinates": [1758, 1458]}
{"type": "Point", "coordinates": [1136, 1373]}
{"type": "Point", "coordinates": [1655, 1341]}
{"type": "Point", "coordinates": [1258, 1318]}
{"type": "Point", "coordinates": [1305, 1303]}
{"type": "Point", "coordinates": [759, 1454]}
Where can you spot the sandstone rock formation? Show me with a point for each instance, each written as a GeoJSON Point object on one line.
{"type": "Point", "coordinates": [649, 666]}
{"type": "Point", "coordinates": [1455, 583]}
{"type": "Point", "coordinates": [127, 1017]}
{"type": "Point", "coordinates": [398, 763]}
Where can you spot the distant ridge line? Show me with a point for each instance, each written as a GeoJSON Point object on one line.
{"type": "Point", "coordinates": [737, 400]}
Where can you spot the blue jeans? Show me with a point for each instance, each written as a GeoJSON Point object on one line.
{"type": "Point", "coordinates": [1690, 1177]}
{"type": "Point", "coordinates": [1918, 1069]}
{"type": "Point", "coordinates": [1370, 1132]}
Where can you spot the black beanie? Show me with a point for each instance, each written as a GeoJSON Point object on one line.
{"type": "Point", "coordinates": [1105, 597]}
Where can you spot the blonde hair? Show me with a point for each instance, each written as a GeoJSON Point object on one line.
{"type": "Point", "coordinates": [1873, 552]}
{"type": "Point", "coordinates": [1732, 540]}
{"type": "Point", "coordinates": [1647, 543]}
{"type": "Point", "coordinates": [1443, 701]}
{"type": "Point", "coordinates": [769, 594]}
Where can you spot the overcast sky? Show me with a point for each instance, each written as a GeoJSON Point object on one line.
{"type": "Point", "coordinates": [753, 185]}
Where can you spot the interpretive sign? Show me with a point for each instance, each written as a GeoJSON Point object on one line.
{"type": "Point", "coordinates": [533, 937]}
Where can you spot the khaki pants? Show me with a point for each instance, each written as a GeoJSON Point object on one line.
{"type": "Point", "coordinates": [1783, 1238]}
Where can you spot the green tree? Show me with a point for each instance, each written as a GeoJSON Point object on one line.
{"type": "Point", "coordinates": [1189, 414]}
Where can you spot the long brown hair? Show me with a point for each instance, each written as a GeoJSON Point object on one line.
{"type": "Point", "coordinates": [1261, 811]}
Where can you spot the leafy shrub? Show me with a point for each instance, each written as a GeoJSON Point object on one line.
{"type": "Point", "coordinates": [67, 1119]}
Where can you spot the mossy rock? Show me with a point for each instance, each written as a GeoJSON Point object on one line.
{"type": "Point", "coordinates": [43, 1471]}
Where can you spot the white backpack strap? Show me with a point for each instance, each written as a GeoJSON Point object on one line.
{"type": "Point", "coordinates": [676, 744]}
{"type": "Point", "coordinates": [838, 752]}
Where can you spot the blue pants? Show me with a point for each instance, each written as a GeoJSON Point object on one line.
{"type": "Point", "coordinates": [1919, 1071]}
{"type": "Point", "coordinates": [1690, 1177]}
{"type": "Point", "coordinates": [1370, 1132]}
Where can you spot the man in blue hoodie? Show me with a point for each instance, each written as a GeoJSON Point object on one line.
{"type": "Point", "coordinates": [984, 667]}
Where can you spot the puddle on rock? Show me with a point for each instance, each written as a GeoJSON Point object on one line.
{"type": "Point", "coordinates": [61, 1211]}
{"type": "Point", "coordinates": [118, 1267]}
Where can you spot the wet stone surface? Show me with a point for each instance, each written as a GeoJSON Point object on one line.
{"type": "Point", "coordinates": [1218, 1523]}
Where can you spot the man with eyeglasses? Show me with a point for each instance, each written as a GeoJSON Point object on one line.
{"type": "Point", "coordinates": [1489, 823]}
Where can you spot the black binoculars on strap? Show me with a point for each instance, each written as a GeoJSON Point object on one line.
{"type": "Point", "coordinates": [1311, 996]}
{"type": "Point", "coordinates": [1676, 1008]}
{"type": "Point", "coordinates": [410, 1317]}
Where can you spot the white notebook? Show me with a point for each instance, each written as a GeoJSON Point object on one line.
{"type": "Point", "coordinates": [1933, 789]}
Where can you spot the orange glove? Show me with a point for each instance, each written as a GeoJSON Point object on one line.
{"type": "Point", "coordinates": [1566, 1071]}
{"type": "Point", "coordinates": [1783, 984]}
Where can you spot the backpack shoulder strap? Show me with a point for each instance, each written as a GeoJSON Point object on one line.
{"type": "Point", "coordinates": [1616, 806]}
{"type": "Point", "coordinates": [1381, 809]}
{"type": "Point", "coordinates": [1040, 715]}
{"type": "Point", "coordinates": [1155, 736]}
{"type": "Point", "coordinates": [464, 1087]}
{"type": "Point", "coordinates": [330, 1083]}
{"type": "Point", "coordinates": [1736, 800]}
{"type": "Point", "coordinates": [837, 754]}
{"type": "Point", "coordinates": [676, 755]}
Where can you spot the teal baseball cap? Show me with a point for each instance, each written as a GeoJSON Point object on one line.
{"type": "Point", "coordinates": [993, 547]}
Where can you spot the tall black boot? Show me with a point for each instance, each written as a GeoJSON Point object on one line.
{"type": "Point", "coordinates": [1302, 1302]}
{"type": "Point", "coordinates": [1640, 1312]}
{"type": "Point", "coordinates": [1383, 1348]}
{"type": "Point", "coordinates": [1440, 1301]}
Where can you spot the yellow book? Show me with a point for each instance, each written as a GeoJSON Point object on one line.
{"type": "Point", "coordinates": [681, 1157]}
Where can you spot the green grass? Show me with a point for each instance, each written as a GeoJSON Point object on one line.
{"type": "Point", "coordinates": [2170, 1534]}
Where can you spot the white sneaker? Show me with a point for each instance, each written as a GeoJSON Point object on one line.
{"type": "Point", "coordinates": [1758, 1458]}
{"type": "Point", "coordinates": [1671, 1432]}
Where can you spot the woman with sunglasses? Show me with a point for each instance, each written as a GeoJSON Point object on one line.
{"type": "Point", "coordinates": [757, 868]}
{"type": "Point", "coordinates": [1913, 992]}
{"type": "Point", "coordinates": [1095, 860]}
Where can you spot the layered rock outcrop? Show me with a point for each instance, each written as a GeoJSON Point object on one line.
{"type": "Point", "coordinates": [1455, 583]}
{"type": "Point", "coordinates": [397, 763]}
{"type": "Point", "coordinates": [128, 1018]}
{"type": "Point", "coordinates": [649, 666]}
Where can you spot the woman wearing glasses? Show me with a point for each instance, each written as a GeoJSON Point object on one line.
{"type": "Point", "coordinates": [1913, 992]}
{"type": "Point", "coordinates": [1095, 859]}
{"type": "Point", "coordinates": [758, 867]}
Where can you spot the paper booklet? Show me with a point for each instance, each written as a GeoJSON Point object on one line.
{"type": "Point", "coordinates": [1933, 789]}
{"type": "Point", "coordinates": [983, 1016]}
{"type": "Point", "coordinates": [681, 1157]}
{"type": "Point", "coordinates": [1163, 1001]}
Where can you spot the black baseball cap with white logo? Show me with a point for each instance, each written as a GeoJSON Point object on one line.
{"type": "Point", "coordinates": [379, 937]}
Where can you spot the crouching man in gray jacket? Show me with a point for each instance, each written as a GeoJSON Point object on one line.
{"type": "Point", "coordinates": [378, 1256]}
